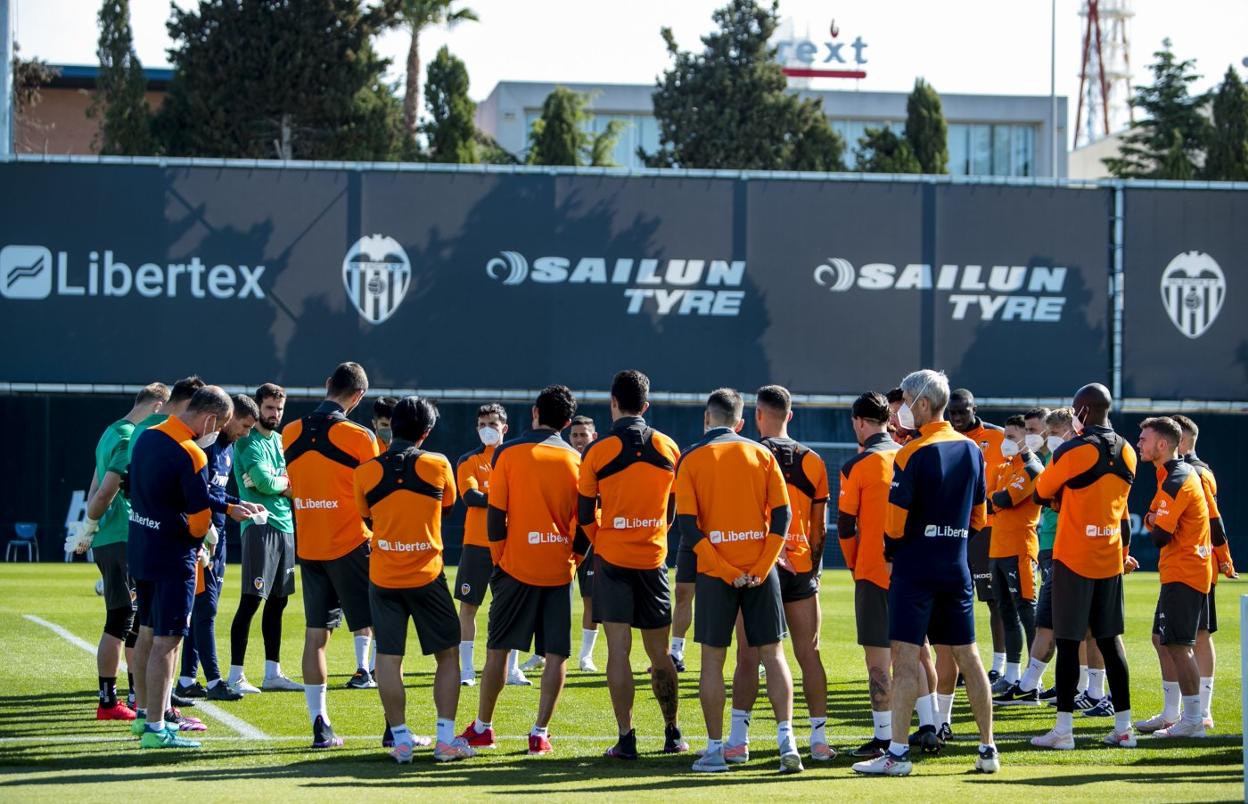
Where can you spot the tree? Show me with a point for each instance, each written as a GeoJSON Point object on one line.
{"type": "Point", "coordinates": [880, 150]}
{"type": "Point", "coordinates": [120, 99]}
{"type": "Point", "coordinates": [1171, 114]}
{"type": "Point", "coordinates": [287, 79]}
{"type": "Point", "coordinates": [415, 16]}
{"type": "Point", "coordinates": [1227, 158]}
{"type": "Point", "coordinates": [727, 107]}
{"type": "Point", "coordinates": [29, 76]}
{"type": "Point", "coordinates": [926, 132]}
{"type": "Point", "coordinates": [451, 130]}
{"type": "Point", "coordinates": [560, 135]}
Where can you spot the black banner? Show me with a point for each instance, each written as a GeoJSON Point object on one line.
{"type": "Point", "coordinates": [122, 274]}
{"type": "Point", "coordinates": [1184, 261]}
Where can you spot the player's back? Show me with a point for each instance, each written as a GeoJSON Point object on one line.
{"type": "Point", "coordinates": [534, 481]}
{"type": "Point", "coordinates": [806, 479]}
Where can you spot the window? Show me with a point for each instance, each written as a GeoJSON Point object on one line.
{"type": "Point", "coordinates": [991, 150]}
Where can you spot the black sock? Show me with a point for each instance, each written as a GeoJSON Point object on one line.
{"type": "Point", "coordinates": [108, 691]}
{"type": "Point", "coordinates": [1116, 672]}
{"type": "Point", "coordinates": [240, 627]}
{"type": "Point", "coordinates": [1067, 676]}
{"type": "Point", "coordinates": [271, 627]}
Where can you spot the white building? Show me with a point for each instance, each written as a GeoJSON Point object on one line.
{"type": "Point", "coordinates": [989, 135]}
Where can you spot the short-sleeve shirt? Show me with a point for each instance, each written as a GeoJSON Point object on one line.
{"type": "Point", "coordinates": [170, 505]}
{"type": "Point", "coordinates": [1179, 508]}
{"type": "Point", "coordinates": [1014, 526]}
{"type": "Point", "coordinates": [112, 454]}
{"type": "Point", "coordinates": [322, 453]}
{"type": "Point", "coordinates": [866, 480]}
{"type": "Point", "coordinates": [807, 482]}
{"type": "Point", "coordinates": [534, 483]}
{"type": "Point", "coordinates": [404, 492]}
{"type": "Point", "coordinates": [730, 484]}
{"type": "Point", "coordinates": [631, 471]}
{"type": "Point", "coordinates": [472, 473]}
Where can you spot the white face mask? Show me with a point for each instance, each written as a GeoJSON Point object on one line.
{"type": "Point", "coordinates": [1054, 442]}
{"type": "Point", "coordinates": [905, 417]}
{"type": "Point", "coordinates": [490, 436]}
{"type": "Point", "coordinates": [207, 440]}
{"type": "Point", "coordinates": [1010, 448]}
{"type": "Point", "coordinates": [1034, 441]}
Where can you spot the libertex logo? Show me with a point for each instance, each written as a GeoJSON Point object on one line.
{"type": "Point", "coordinates": [1034, 293]}
{"type": "Point", "coordinates": [36, 272]}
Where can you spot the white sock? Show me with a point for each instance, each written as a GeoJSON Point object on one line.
{"type": "Point", "coordinates": [361, 652]}
{"type": "Point", "coordinates": [998, 662]}
{"type": "Point", "coordinates": [315, 693]}
{"type": "Point", "coordinates": [1065, 722]}
{"type": "Point", "coordinates": [401, 734]}
{"type": "Point", "coordinates": [883, 724]}
{"type": "Point", "coordinates": [944, 705]}
{"type": "Point", "coordinates": [714, 745]}
{"type": "Point", "coordinates": [1122, 720]}
{"type": "Point", "coordinates": [1012, 672]}
{"type": "Point", "coordinates": [513, 662]}
{"type": "Point", "coordinates": [1191, 710]}
{"type": "Point", "coordinates": [465, 657]}
{"type": "Point", "coordinates": [926, 712]}
{"type": "Point", "coordinates": [739, 732]}
{"type": "Point", "coordinates": [1083, 679]}
{"type": "Point", "coordinates": [784, 737]}
{"type": "Point", "coordinates": [156, 725]}
{"type": "Point", "coordinates": [818, 729]}
{"type": "Point", "coordinates": [897, 749]}
{"type": "Point", "coordinates": [1031, 679]}
{"type": "Point", "coordinates": [236, 673]}
{"type": "Point", "coordinates": [588, 637]}
{"type": "Point", "coordinates": [272, 669]}
{"type": "Point", "coordinates": [1096, 683]}
{"type": "Point", "coordinates": [539, 731]}
{"type": "Point", "coordinates": [479, 726]}
{"type": "Point", "coordinates": [678, 647]}
{"type": "Point", "coordinates": [372, 659]}
{"type": "Point", "coordinates": [1206, 695]}
{"type": "Point", "coordinates": [445, 731]}
{"type": "Point", "coordinates": [185, 681]}
{"type": "Point", "coordinates": [1170, 697]}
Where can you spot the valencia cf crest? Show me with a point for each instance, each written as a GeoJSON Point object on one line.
{"type": "Point", "coordinates": [1193, 289]}
{"type": "Point", "coordinates": [376, 274]}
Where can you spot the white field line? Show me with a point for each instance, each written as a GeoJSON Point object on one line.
{"type": "Point", "coordinates": [237, 724]}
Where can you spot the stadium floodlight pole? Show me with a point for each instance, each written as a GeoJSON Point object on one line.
{"type": "Point", "coordinates": [6, 77]}
{"type": "Point", "coordinates": [1053, 87]}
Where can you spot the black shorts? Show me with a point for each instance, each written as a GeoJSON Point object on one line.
{"type": "Point", "coordinates": [585, 576]}
{"type": "Point", "coordinates": [798, 586]}
{"type": "Point", "coordinates": [1081, 604]}
{"type": "Point", "coordinates": [1180, 612]}
{"type": "Point", "coordinates": [268, 562]}
{"type": "Point", "coordinates": [522, 615]}
{"type": "Point", "coordinates": [639, 597]}
{"type": "Point", "coordinates": [165, 606]}
{"type": "Point", "coordinates": [941, 611]}
{"type": "Point", "coordinates": [686, 564]}
{"type": "Point", "coordinates": [1015, 577]}
{"type": "Point", "coordinates": [1044, 600]}
{"type": "Point", "coordinates": [118, 587]}
{"type": "Point", "coordinates": [1211, 612]}
{"type": "Point", "coordinates": [472, 578]}
{"type": "Point", "coordinates": [981, 569]}
{"type": "Point", "coordinates": [871, 614]}
{"type": "Point", "coordinates": [716, 605]}
{"type": "Point", "coordinates": [337, 586]}
{"type": "Point", "coordinates": [431, 609]}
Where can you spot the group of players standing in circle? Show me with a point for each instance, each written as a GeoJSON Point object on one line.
{"type": "Point", "coordinates": [751, 522]}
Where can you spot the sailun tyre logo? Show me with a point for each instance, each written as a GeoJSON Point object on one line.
{"type": "Point", "coordinates": [836, 274]}
{"type": "Point", "coordinates": [510, 267]}
{"type": "Point", "coordinates": [376, 274]}
{"type": "Point", "coordinates": [1193, 289]}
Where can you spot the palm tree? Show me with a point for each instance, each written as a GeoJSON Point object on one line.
{"type": "Point", "coordinates": [415, 16]}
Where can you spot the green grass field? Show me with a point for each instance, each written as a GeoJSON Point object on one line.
{"type": "Point", "coordinates": [51, 748]}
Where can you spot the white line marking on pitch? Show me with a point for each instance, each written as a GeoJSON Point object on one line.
{"type": "Point", "coordinates": [237, 724]}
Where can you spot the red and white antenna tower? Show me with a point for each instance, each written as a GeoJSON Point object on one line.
{"type": "Point", "coordinates": [1105, 75]}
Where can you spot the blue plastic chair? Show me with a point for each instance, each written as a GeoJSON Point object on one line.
{"type": "Point", "coordinates": [23, 540]}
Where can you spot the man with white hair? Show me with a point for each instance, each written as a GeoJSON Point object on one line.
{"type": "Point", "coordinates": [936, 503]}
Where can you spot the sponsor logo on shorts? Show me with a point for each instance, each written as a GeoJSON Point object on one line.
{"type": "Point", "coordinates": [720, 536]}
{"type": "Point", "coordinates": [626, 523]}
{"type": "Point", "coordinates": [1095, 532]}
{"type": "Point", "coordinates": [305, 504]}
{"type": "Point", "coordinates": [465, 588]}
{"type": "Point", "coordinates": [258, 582]}
{"type": "Point", "coordinates": [537, 537]}
{"type": "Point", "coordinates": [945, 532]}
{"type": "Point", "coordinates": [402, 547]}
{"type": "Point", "coordinates": [144, 521]}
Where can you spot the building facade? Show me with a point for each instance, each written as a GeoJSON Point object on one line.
{"type": "Point", "coordinates": [989, 135]}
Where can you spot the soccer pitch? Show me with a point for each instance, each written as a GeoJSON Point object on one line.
{"type": "Point", "coordinates": [52, 748]}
